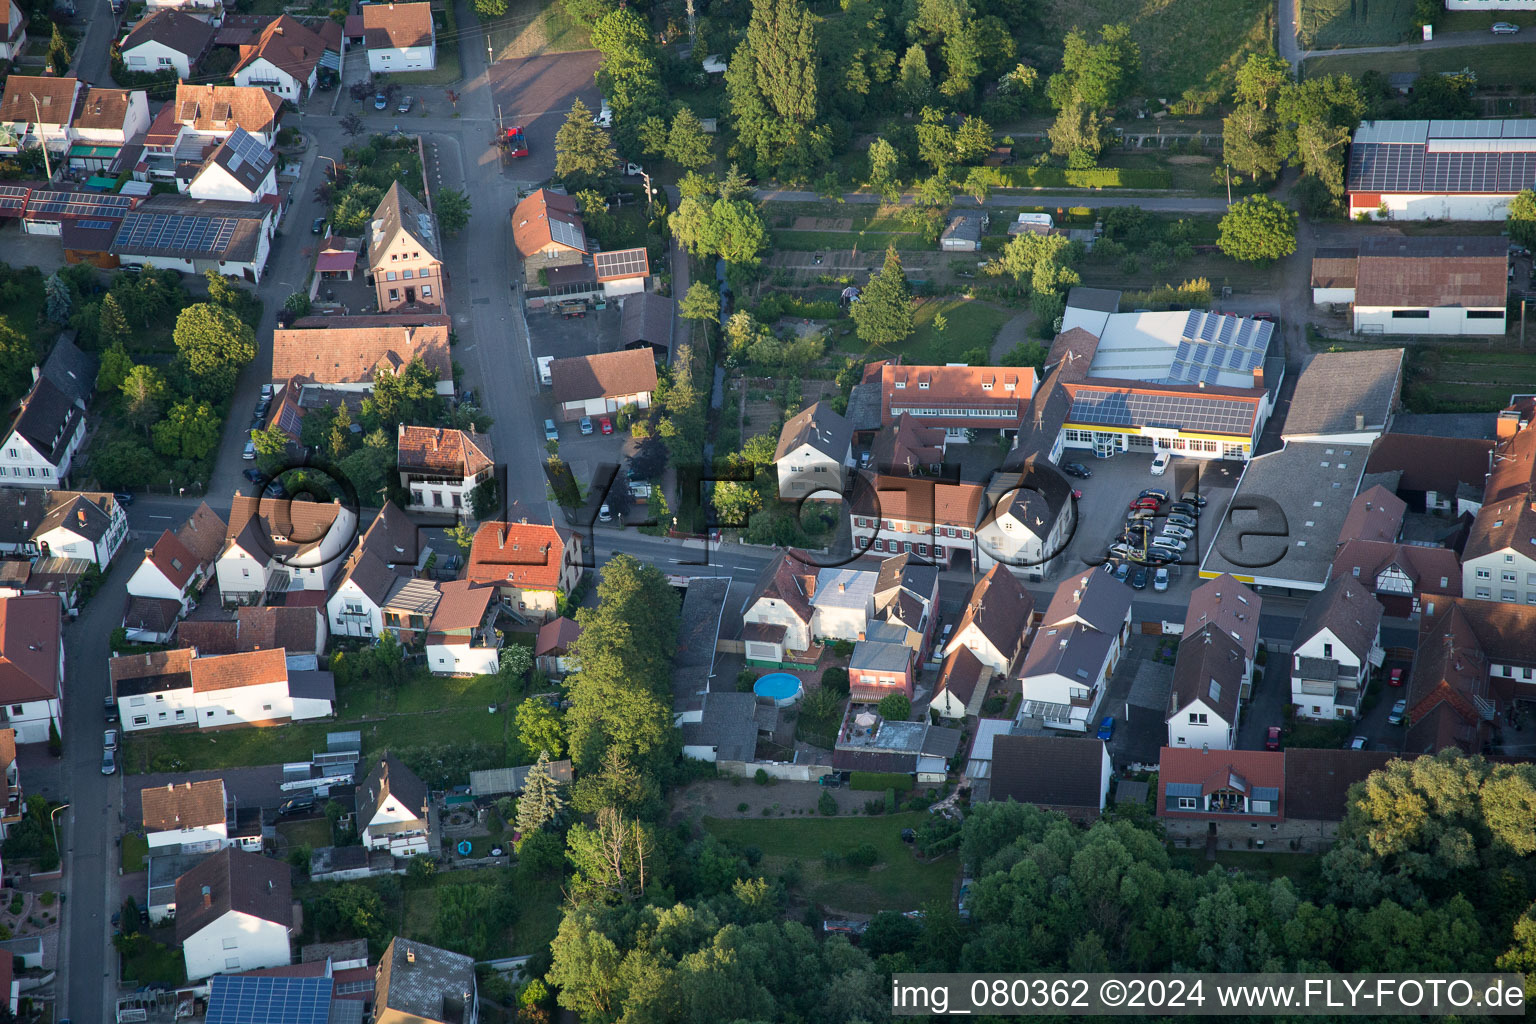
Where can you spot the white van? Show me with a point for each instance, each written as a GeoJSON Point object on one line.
{"type": "Point", "coordinates": [545, 377]}
{"type": "Point", "coordinates": [604, 117]}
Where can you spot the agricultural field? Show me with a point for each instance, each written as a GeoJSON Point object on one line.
{"type": "Point", "coordinates": [898, 880]}
{"type": "Point", "coordinates": [1325, 24]}
{"type": "Point", "coordinates": [1189, 48]}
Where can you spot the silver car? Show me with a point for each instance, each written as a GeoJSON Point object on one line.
{"type": "Point", "coordinates": [1181, 532]}
{"type": "Point", "coordinates": [1504, 28]}
{"type": "Point", "coordinates": [109, 762]}
{"type": "Point", "coordinates": [1170, 544]}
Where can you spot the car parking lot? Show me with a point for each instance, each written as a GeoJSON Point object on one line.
{"type": "Point", "coordinates": [1117, 481]}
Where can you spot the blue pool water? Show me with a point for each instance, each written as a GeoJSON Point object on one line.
{"type": "Point", "coordinates": [780, 687]}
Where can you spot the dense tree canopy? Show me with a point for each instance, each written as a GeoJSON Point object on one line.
{"type": "Point", "coordinates": [1258, 229]}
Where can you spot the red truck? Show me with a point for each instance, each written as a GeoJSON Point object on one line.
{"type": "Point", "coordinates": [517, 142]}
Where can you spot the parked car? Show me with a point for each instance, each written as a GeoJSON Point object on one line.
{"type": "Point", "coordinates": [604, 117]}
{"type": "Point", "coordinates": [1107, 728]}
{"type": "Point", "coordinates": [1139, 579]}
{"type": "Point", "coordinates": [1181, 532]}
{"type": "Point", "coordinates": [1268, 318]}
{"type": "Point", "coordinates": [1155, 556]}
{"type": "Point", "coordinates": [1272, 738]}
{"type": "Point", "coordinates": [550, 431]}
{"type": "Point", "coordinates": [605, 425]}
{"type": "Point", "coordinates": [1160, 579]}
{"type": "Point", "coordinates": [381, 102]}
{"type": "Point", "coordinates": [1504, 28]}
{"type": "Point", "coordinates": [909, 835]}
{"type": "Point", "coordinates": [1122, 571]}
{"type": "Point", "coordinates": [1150, 504]}
{"type": "Point", "coordinates": [1186, 509]}
{"type": "Point", "coordinates": [1077, 494]}
{"type": "Point", "coordinates": [586, 424]}
{"type": "Point", "coordinates": [1122, 551]}
{"type": "Point", "coordinates": [1160, 463]}
{"type": "Point", "coordinates": [296, 805]}
{"type": "Point", "coordinates": [517, 141]}
{"type": "Point", "coordinates": [266, 392]}
{"type": "Point", "coordinates": [1076, 469]}
{"type": "Point", "coordinates": [830, 781]}
{"type": "Point", "coordinates": [1193, 498]}
{"type": "Point", "coordinates": [253, 474]}
{"type": "Point", "coordinates": [1395, 677]}
{"type": "Point", "coordinates": [1398, 712]}
{"type": "Point", "coordinates": [605, 514]}
{"type": "Point", "coordinates": [109, 708]}
{"type": "Point", "coordinates": [1171, 543]}
{"type": "Point", "coordinates": [1153, 492]}
{"type": "Point", "coordinates": [109, 740]}
{"type": "Point", "coordinates": [123, 498]}
{"type": "Point", "coordinates": [633, 169]}
{"type": "Point", "coordinates": [109, 762]}
{"type": "Point", "coordinates": [1359, 743]}
{"type": "Point", "coordinates": [249, 454]}
{"type": "Point", "coordinates": [405, 105]}
{"type": "Point", "coordinates": [1141, 515]}
{"type": "Point", "coordinates": [1180, 519]}
{"type": "Point", "coordinates": [316, 227]}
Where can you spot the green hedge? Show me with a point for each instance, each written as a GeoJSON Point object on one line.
{"type": "Point", "coordinates": [1060, 177]}
{"type": "Point", "coordinates": [880, 780]}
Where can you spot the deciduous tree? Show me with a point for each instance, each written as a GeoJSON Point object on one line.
{"type": "Point", "coordinates": [214, 344]}
{"type": "Point", "coordinates": [190, 430]}
{"type": "Point", "coordinates": [452, 207]}
{"type": "Point", "coordinates": [1257, 229]}
{"type": "Point", "coordinates": [700, 302]}
{"type": "Point", "coordinates": [540, 727]}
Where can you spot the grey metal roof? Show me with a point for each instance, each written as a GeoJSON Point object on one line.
{"type": "Point", "coordinates": [1102, 300]}
{"type": "Point", "coordinates": [1063, 644]}
{"type": "Point", "coordinates": [1312, 484]}
{"type": "Point", "coordinates": [1337, 387]}
{"type": "Point", "coordinates": [698, 630]}
{"type": "Point", "coordinates": [495, 781]}
{"type": "Point", "coordinates": [422, 981]}
{"type": "Point", "coordinates": [863, 411]}
{"type": "Point", "coordinates": [1054, 771]}
{"type": "Point", "coordinates": [71, 370]}
{"type": "Point", "coordinates": [879, 656]}
{"type": "Point", "coordinates": [729, 724]}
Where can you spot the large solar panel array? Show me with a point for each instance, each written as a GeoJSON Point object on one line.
{"type": "Point", "coordinates": [79, 204]}
{"type": "Point", "coordinates": [96, 225]}
{"type": "Point", "coordinates": [1214, 343]}
{"type": "Point", "coordinates": [266, 1000]}
{"type": "Point", "coordinates": [13, 197]}
{"type": "Point", "coordinates": [1175, 412]}
{"type": "Point", "coordinates": [1469, 157]}
{"type": "Point", "coordinates": [143, 232]}
{"type": "Point", "coordinates": [620, 263]}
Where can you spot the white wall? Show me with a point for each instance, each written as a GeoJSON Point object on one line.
{"type": "Point", "coordinates": [31, 722]}
{"type": "Point", "coordinates": [264, 71]}
{"type": "Point", "coordinates": [210, 837]}
{"type": "Point", "coordinates": [148, 581]}
{"type": "Point", "coordinates": [65, 543]}
{"type": "Point", "coordinates": [438, 495]}
{"type": "Point", "coordinates": [403, 58]}
{"type": "Point", "coordinates": [1438, 207]}
{"type": "Point", "coordinates": [1326, 296]}
{"type": "Point", "coordinates": [350, 596]}
{"type": "Point", "coordinates": [1490, 5]}
{"type": "Point", "coordinates": [1183, 731]}
{"type": "Point", "coordinates": [148, 56]}
{"type": "Point", "coordinates": [393, 812]}
{"type": "Point", "coordinates": [985, 650]}
{"type": "Point", "coordinates": [243, 705]}
{"type": "Point", "coordinates": [158, 710]}
{"type": "Point", "coordinates": [1444, 320]}
{"type": "Point", "coordinates": [214, 182]}
{"type": "Point", "coordinates": [1492, 586]}
{"type": "Point", "coordinates": [242, 577]}
{"type": "Point", "coordinates": [1325, 645]}
{"type": "Point", "coordinates": [236, 942]}
{"type": "Point", "coordinates": [807, 470]}
{"type": "Point", "coordinates": [462, 659]}
{"type": "Point", "coordinates": [776, 613]}
{"type": "Point", "coordinates": [22, 466]}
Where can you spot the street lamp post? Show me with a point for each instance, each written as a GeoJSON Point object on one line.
{"type": "Point", "coordinates": [53, 824]}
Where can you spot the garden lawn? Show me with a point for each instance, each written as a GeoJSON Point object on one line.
{"type": "Point", "coordinates": [898, 881]}
{"type": "Point", "coordinates": [313, 833]}
{"type": "Point", "coordinates": [1447, 376]}
{"type": "Point", "coordinates": [1496, 66]}
{"type": "Point", "coordinates": [1325, 24]}
{"type": "Point", "coordinates": [971, 324]}
{"type": "Point", "coordinates": [150, 961]}
{"type": "Point", "coordinates": [134, 849]}
{"type": "Point", "coordinates": [426, 711]}
{"type": "Point", "coordinates": [532, 27]}
{"type": "Point", "coordinates": [1193, 45]}
{"type": "Point", "coordinates": [534, 926]}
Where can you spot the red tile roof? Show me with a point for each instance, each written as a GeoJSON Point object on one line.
{"type": "Point", "coordinates": [172, 558]}
{"type": "Point", "coordinates": [230, 671]}
{"type": "Point", "coordinates": [461, 453]}
{"type": "Point", "coordinates": [922, 501]}
{"type": "Point", "coordinates": [916, 388]}
{"type": "Point", "coordinates": [556, 636]}
{"type": "Point", "coordinates": [463, 606]}
{"type": "Point", "coordinates": [531, 230]}
{"type": "Point", "coordinates": [397, 25]}
{"type": "Point", "coordinates": [288, 45]}
{"type": "Point", "coordinates": [188, 805]}
{"type": "Point", "coordinates": [1230, 606]}
{"type": "Point", "coordinates": [526, 555]}
{"type": "Point", "coordinates": [1213, 769]}
{"type": "Point", "coordinates": [29, 648]}
{"type": "Point", "coordinates": [219, 108]}
{"type": "Point", "coordinates": [348, 350]}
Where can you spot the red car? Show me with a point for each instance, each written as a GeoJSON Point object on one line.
{"type": "Point", "coordinates": [1395, 677]}
{"type": "Point", "coordinates": [1272, 740]}
{"type": "Point", "coordinates": [1266, 317]}
{"type": "Point", "coordinates": [1150, 504]}
{"type": "Point", "coordinates": [517, 142]}
{"type": "Point", "coordinates": [1077, 494]}
{"type": "Point", "coordinates": [605, 425]}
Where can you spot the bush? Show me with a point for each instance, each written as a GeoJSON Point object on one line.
{"type": "Point", "coordinates": [836, 680]}
{"type": "Point", "coordinates": [741, 808]}
{"type": "Point", "coordinates": [880, 780]}
{"type": "Point", "coordinates": [874, 807]}
{"type": "Point", "coordinates": [826, 805]}
{"type": "Point", "coordinates": [781, 304]}
{"type": "Point", "coordinates": [843, 648]}
{"type": "Point", "coordinates": [862, 856]}
{"type": "Point", "coordinates": [744, 680]}
{"type": "Point", "coordinates": [1024, 176]}
{"type": "Point", "coordinates": [895, 708]}
{"type": "Point", "coordinates": [760, 777]}
{"type": "Point", "coordinates": [992, 705]}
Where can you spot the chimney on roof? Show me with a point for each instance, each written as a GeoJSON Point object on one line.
{"type": "Point", "coordinates": [207, 896]}
{"type": "Point", "coordinates": [1359, 421]}
{"type": "Point", "coordinates": [410, 956]}
{"type": "Point", "coordinates": [842, 588]}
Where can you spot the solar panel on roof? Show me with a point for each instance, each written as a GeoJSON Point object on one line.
{"type": "Point", "coordinates": [245, 146]}
{"type": "Point", "coordinates": [621, 262]}
{"type": "Point", "coordinates": [1392, 132]}
{"type": "Point", "coordinates": [78, 204]}
{"type": "Point", "coordinates": [1516, 171]}
{"type": "Point", "coordinates": [95, 225]}
{"type": "Point", "coordinates": [1187, 412]}
{"type": "Point", "coordinates": [266, 1000]}
{"type": "Point", "coordinates": [143, 232]}
{"type": "Point", "coordinates": [1466, 129]}
{"type": "Point", "coordinates": [1520, 128]}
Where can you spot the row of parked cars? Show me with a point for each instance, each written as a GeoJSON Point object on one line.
{"type": "Point", "coordinates": [1142, 552]}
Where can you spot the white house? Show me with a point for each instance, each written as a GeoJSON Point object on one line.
{"type": "Point", "coordinates": [283, 59]}
{"type": "Point", "coordinates": [777, 616]}
{"type": "Point", "coordinates": [32, 665]}
{"type": "Point", "coordinates": [234, 912]}
{"type": "Point", "coordinates": [170, 688]}
{"type": "Point", "coordinates": [104, 122]}
{"type": "Point", "coordinates": [1234, 609]}
{"type": "Point", "coordinates": [1441, 169]}
{"type": "Point", "coordinates": [1076, 648]}
{"type": "Point", "coordinates": [169, 572]}
{"type": "Point", "coordinates": [399, 37]}
{"type": "Point", "coordinates": [1498, 562]}
{"type": "Point", "coordinates": [461, 637]}
{"type": "Point", "coordinates": [1337, 644]}
{"type": "Point", "coordinates": [814, 455]}
{"type": "Point", "coordinates": [392, 809]}
{"type": "Point", "coordinates": [48, 430]}
{"type": "Point", "coordinates": [240, 170]}
{"type": "Point", "coordinates": [962, 685]}
{"type": "Point", "coordinates": [439, 468]}
{"type": "Point", "coordinates": [167, 39]}
{"type": "Point", "coordinates": [1030, 516]}
{"type": "Point", "coordinates": [13, 29]}
{"type": "Point", "coordinates": [191, 817]}
{"type": "Point", "coordinates": [1208, 678]}
{"type": "Point", "coordinates": [387, 555]}
{"type": "Point", "coordinates": [1418, 285]}
{"type": "Point", "coordinates": [80, 524]}
{"type": "Point", "coordinates": [176, 232]}
{"type": "Point", "coordinates": [995, 623]}
{"type": "Point", "coordinates": [530, 563]}
{"type": "Point", "coordinates": [276, 546]}
{"type": "Point", "coordinates": [43, 107]}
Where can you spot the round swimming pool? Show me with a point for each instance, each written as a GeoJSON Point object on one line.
{"type": "Point", "coordinates": [783, 688]}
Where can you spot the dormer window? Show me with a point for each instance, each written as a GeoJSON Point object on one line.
{"type": "Point", "coordinates": [923, 386]}
{"type": "Point", "coordinates": [901, 384]}
{"type": "Point", "coordinates": [987, 386]}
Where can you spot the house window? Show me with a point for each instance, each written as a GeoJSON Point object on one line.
{"type": "Point", "coordinates": [1507, 595]}
{"type": "Point", "coordinates": [1509, 577]}
{"type": "Point", "coordinates": [390, 276]}
{"type": "Point", "coordinates": [17, 709]}
{"type": "Point", "coordinates": [140, 720]}
{"type": "Point", "coordinates": [180, 715]}
{"type": "Point", "coordinates": [266, 707]}
{"type": "Point", "coordinates": [394, 294]}
{"type": "Point", "coordinates": [1327, 650]}
{"type": "Point", "coordinates": [1484, 574]}
{"type": "Point", "coordinates": [231, 943]}
{"type": "Point", "coordinates": [1509, 558]}
{"type": "Point", "coordinates": [1259, 806]}
{"type": "Point", "coordinates": [424, 272]}
{"type": "Point", "coordinates": [1186, 803]}
{"type": "Point", "coordinates": [407, 274]}
{"type": "Point", "coordinates": [1410, 314]}
{"type": "Point", "coordinates": [1197, 718]}
{"type": "Point", "coordinates": [231, 963]}
{"type": "Point", "coordinates": [1483, 593]}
